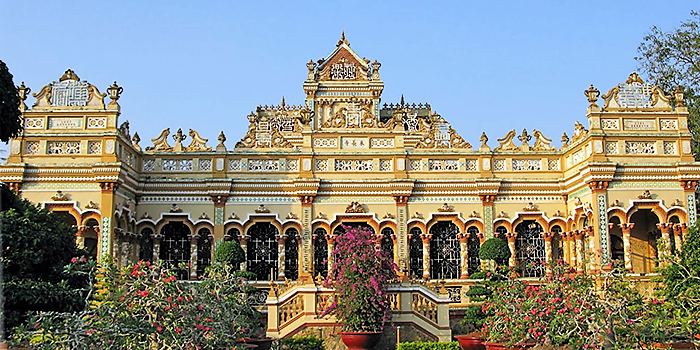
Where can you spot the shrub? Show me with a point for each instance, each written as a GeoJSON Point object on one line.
{"type": "Point", "coordinates": [308, 342]}
{"type": "Point", "coordinates": [229, 252]}
{"type": "Point", "coordinates": [428, 346]}
{"type": "Point", "coordinates": [495, 249]}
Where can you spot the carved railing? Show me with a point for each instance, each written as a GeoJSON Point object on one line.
{"type": "Point", "coordinates": [301, 306]}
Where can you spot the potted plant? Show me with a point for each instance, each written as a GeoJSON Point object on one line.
{"type": "Point", "coordinates": [360, 275]}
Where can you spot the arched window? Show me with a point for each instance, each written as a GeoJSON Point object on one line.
{"type": "Point", "coordinates": [557, 244]}
{"type": "Point", "coordinates": [473, 245]}
{"type": "Point", "coordinates": [415, 253]}
{"type": "Point", "coordinates": [146, 246]}
{"type": "Point", "coordinates": [501, 232]}
{"type": "Point", "coordinates": [445, 260]}
{"type": "Point", "coordinates": [387, 243]}
{"type": "Point", "coordinates": [643, 238]}
{"type": "Point", "coordinates": [90, 237]}
{"type": "Point", "coordinates": [291, 254]}
{"type": "Point", "coordinates": [66, 217]}
{"type": "Point", "coordinates": [234, 234]}
{"type": "Point", "coordinates": [262, 250]}
{"type": "Point", "coordinates": [529, 249]}
{"type": "Point", "coordinates": [672, 234]}
{"type": "Point", "coordinates": [357, 225]}
{"type": "Point", "coordinates": [320, 253]}
{"type": "Point", "coordinates": [175, 248]}
{"type": "Point", "coordinates": [617, 247]}
{"type": "Point", "coordinates": [203, 250]}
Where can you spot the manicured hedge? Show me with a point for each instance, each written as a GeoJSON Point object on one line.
{"type": "Point", "coordinates": [429, 346]}
{"type": "Point", "coordinates": [495, 249]}
{"type": "Point", "coordinates": [302, 343]}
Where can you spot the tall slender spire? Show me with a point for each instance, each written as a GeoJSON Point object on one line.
{"type": "Point", "coordinates": [342, 39]}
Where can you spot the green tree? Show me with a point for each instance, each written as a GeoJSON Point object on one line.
{"type": "Point", "coordinates": [672, 59]}
{"type": "Point", "coordinates": [10, 122]}
{"type": "Point", "coordinates": [39, 255]}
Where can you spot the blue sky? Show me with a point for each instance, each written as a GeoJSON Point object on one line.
{"type": "Point", "coordinates": [206, 65]}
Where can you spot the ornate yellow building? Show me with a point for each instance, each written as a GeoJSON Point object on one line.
{"type": "Point", "coordinates": [621, 183]}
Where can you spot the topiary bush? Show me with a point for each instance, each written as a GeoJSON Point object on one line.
{"type": "Point", "coordinates": [495, 249]}
{"type": "Point", "coordinates": [428, 346]}
{"type": "Point", "coordinates": [308, 342]}
{"type": "Point", "coordinates": [229, 252]}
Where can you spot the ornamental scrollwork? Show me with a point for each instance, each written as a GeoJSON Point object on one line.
{"type": "Point", "coordinates": [580, 132]}
{"type": "Point", "coordinates": [541, 142]}
{"type": "Point", "coordinates": [635, 94]}
{"type": "Point", "coordinates": [160, 143]}
{"type": "Point", "coordinates": [69, 92]}
{"type": "Point", "coordinates": [506, 143]}
{"type": "Point", "coordinates": [354, 208]}
{"type": "Point", "coordinates": [438, 138]}
{"type": "Point", "coordinates": [198, 144]}
{"type": "Point", "coordinates": [261, 134]}
{"type": "Point", "coordinates": [353, 115]}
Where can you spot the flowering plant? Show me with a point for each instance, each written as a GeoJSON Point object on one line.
{"type": "Point", "coordinates": [145, 307]}
{"type": "Point", "coordinates": [359, 275]}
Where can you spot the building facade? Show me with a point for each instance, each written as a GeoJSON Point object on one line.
{"type": "Point", "coordinates": [623, 182]}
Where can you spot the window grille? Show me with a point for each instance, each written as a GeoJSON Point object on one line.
{"type": "Point", "coordinates": [235, 234]}
{"type": "Point", "coordinates": [529, 249]}
{"type": "Point", "coordinates": [415, 253]}
{"type": "Point", "coordinates": [203, 251]}
{"type": "Point", "coordinates": [444, 251]}
{"type": "Point", "coordinates": [473, 245]}
{"type": "Point", "coordinates": [320, 253]}
{"type": "Point", "coordinates": [388, 243]}
{"type": "Point", "coordinates": [291, 255]}
{"type": "Point", "coordinates": [146, 247]}
{"type": "Point", "coordinates": [175, 248]}
{"type": "Point", "coordinates": [557, 244]}
{"type": "Point", "coordinates": [262, 250]}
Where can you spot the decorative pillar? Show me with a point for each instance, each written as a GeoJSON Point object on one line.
{"type": "Point", "coordinates": [194, 239]}
{"type": "Point", "coordinates": [280, 256]}
{"type": "Point", "coordinates": [487, 205]}
{"type": "Point", "coordinates": [464, 254]}
{"type": "Point", "coordinates": [80, 236]}
{"type": "Point", "coordinates": [626, 234]}
{"type": "Point", "coordinates": [665, 239]}
{"type": "Point", "coordinates": [124, 253]}
{"type": "Point", "coordinates": [689, 190]}
{"type": "Point", "coordinates": [106, 247]}
{"type": "Point", "coordinates": [681, 231]}
{"type": "Point", "coordinates": [156, 246]}
{"type": "Point", "coordinates": [219, 215]}
{"type": "Point", "coordinates": [599, 190]}
{"type": "Point", "coordinates": [592, 266]}
{"type": "Point", "coordinates": [511, 236]}
{"type": "Point", "coordinates": [243, 240]}
{"type": "Point", "coordinates": [548, 236]}
{"type": "Point", "coordinates": [571, 243]}
{"type": "Point", "coordinates": [395, 242]}
{"type": "Point", "coordinates": [330, 239]}
{"type": "Point", "coordinates": [425, 237]}
{"type": "Point", "coordinates": [578, 245]}
{"type": "Point", "coordinates": [401, 255]}
{"type": "Point", "coordinates": [306, 241]}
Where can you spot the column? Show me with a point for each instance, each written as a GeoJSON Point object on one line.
{"type": "Point", "coordinates": [115, 246]}
{"type": "Point", "coordinates": [194, 239]}
{"type": "Point", "coordinates": [599, 222]}
{"type": "Point", "coordinates": [592, 266]}
{"type": "Point", "coordinates": [665, 239]}
{"type": "Point", "coordinates": [681, 230]}
{"type": "Point", "coordinates": [571, 242]}
{"type": "Point", "coordinates": [487, 205]}
{"type": "Point", "coordinates": [106, 248]}
{"type": "Point", "coordinates": [425, 237]}
{"type": "Point", "coordinates": [281, 256]}
{"type": "Point", "coordinates": [305, 239]}
{"type": "Point", "coordinates": [626, 234]}
{"type": "Point", "coordinates": [464, 254]}
{"type": "Point", "coordinates": [511, 236]}
{"type": "Point", "coordinates": [219, 215]}
{"type": "Point", "coordinates": [80, 236]}
{"type": "Point", "coordinates": [395, 243]}
{"type": "Point", "coordinates": [156, 246]}
{"type": "Point", "coordinates": [124, 253]}
{"type": "Point", "coordinates": [547, 236]}
{"type": "Point", "coordinates": [578, 244]}
{"type": "Point", "coordinates": [401, 254]}
{"type": "Point", "coordinates": [330, 239]}
{"type": "Point", "coordinates": [243, 240]}
{"type": "Point", "coordinates": [689, 191]}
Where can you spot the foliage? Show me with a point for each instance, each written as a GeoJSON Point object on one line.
{"type": "Point", "coordinates": [308, 342]}
{"type": "Point", "coordinates": [229, 252]}
{"type": "Point", "coordinates": [10, 122]}
{"type": "Point", "coordinates": [428, 346]}
{"type": "Point", "coordinates": [360, 275]}
{"type": "Point", "coordinates": [145, 307]}
{"type": "Point", "coordinates": [671, 59]}
{"type": "Point", "coordinates": [43, 269]}
{"type": "Point", "coordinates": [495, 249]}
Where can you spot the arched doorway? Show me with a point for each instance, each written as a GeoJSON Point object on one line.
{"type": "Point", "coordinates": [91, 237]}
{"type": "Point", "coordinates": [557, 244]}
{"type": "Point", "coordinates": [262, 250]}
{"type": "Point", "coordinates": [175, 248]}
{"type": "Point", "coordinates": [529, 249]}
{"type": "Point", "coordinates": [643, 238]}
{"type": "Point", "coordinates": [445, 251]}
{"type": "Point", "coordinates": [203, 250]}
{"type": "Point", "coordinates": [387, 243]}
{"type": "Point", "coordinates": [146, 247]}
{"type": "Point", "coordinates": [617, 246]}
{"type": "Point", "coordinates": [415, 253]}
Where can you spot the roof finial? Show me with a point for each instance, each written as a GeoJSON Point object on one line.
{"type": "Point", "coordinates": [282, 101]}
{"type": "Point", "coordinates": [342, 40]}
{"type": "Point", "coordinates": [402, 100]}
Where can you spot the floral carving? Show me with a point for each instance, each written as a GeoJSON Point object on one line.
{"type": "Point", "coordinates": [355, 207]}
{"type": "Point", "coordinates": [59, 196]}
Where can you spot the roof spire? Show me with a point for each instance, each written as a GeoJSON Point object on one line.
{"type": "Point", "coordinates": [402, 100]}
{"type": "Point", "coordinates": [282, 101]}
{"type": "Point", "coordinates": [342, 40]}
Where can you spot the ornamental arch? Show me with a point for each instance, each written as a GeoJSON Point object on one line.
{"type": "Point", "coordinates": [643, 240]}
